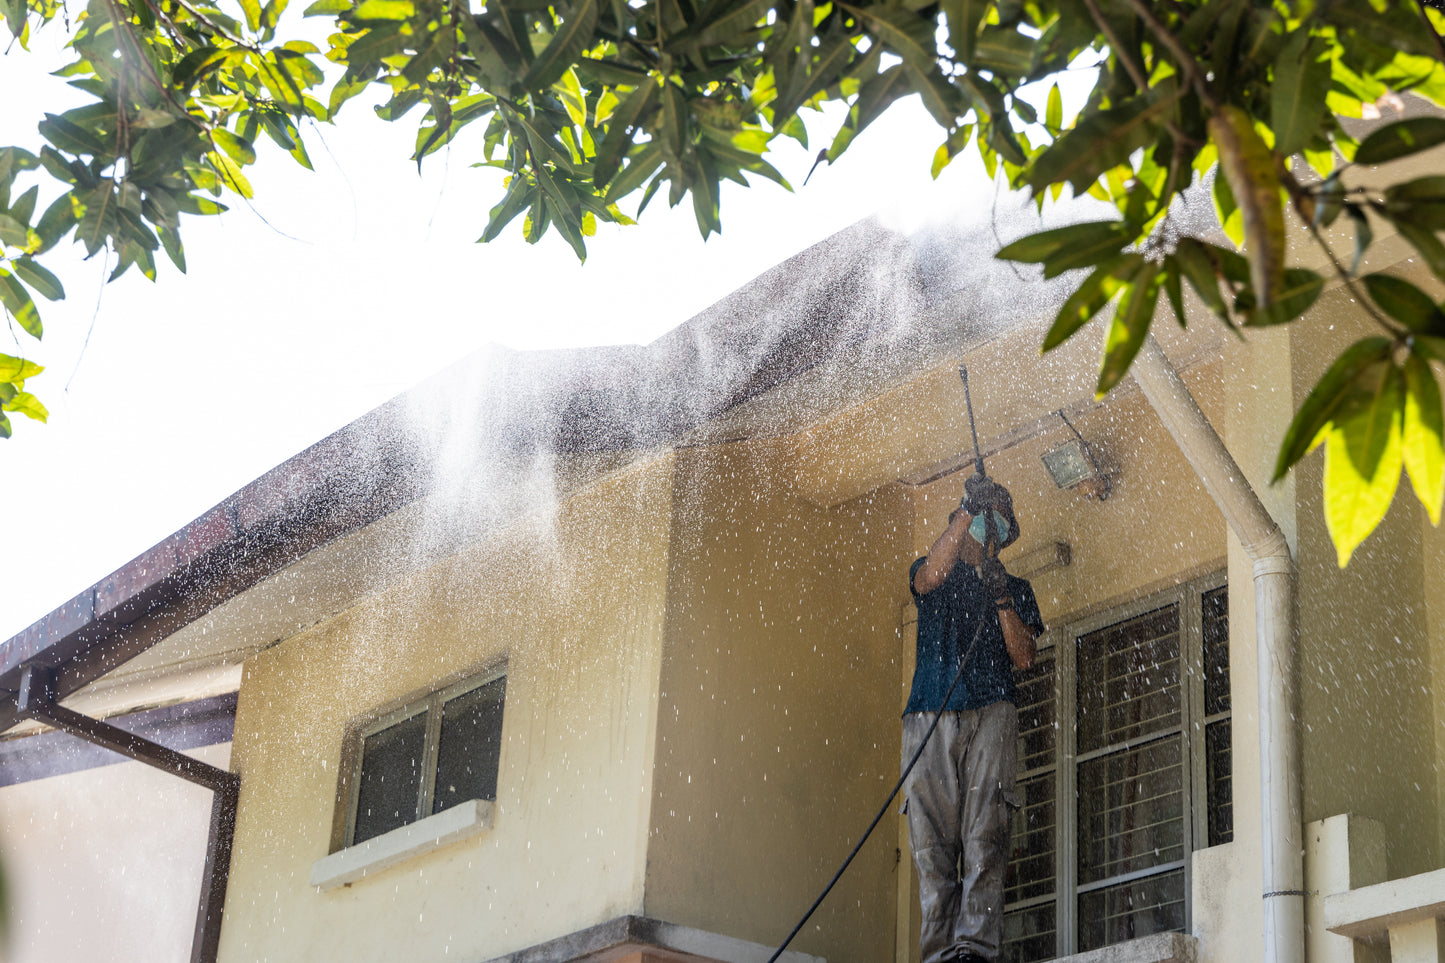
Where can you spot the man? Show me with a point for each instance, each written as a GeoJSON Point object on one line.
{"type": "Point", "coordinates": [960, 794]}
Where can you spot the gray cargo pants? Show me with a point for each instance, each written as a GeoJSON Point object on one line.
{"type": "Point", "coordinates": [959, 799]}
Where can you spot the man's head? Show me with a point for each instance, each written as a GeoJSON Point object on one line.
{"type": "Point", "coordinates": [984, 495]}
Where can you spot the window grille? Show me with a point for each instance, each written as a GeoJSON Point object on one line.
{"type": "Point", "coordinates": [1124, 769]}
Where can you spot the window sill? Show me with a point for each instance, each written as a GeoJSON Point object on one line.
{"type": "Point", "coordinates": [1156, 948]}
{"type": "Point", "coordinates": [448, 826]}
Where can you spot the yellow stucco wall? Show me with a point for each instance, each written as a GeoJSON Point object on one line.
{"type": "Point", "coordinates": [778, 733]}
{"type": "Point", "coordinates": [1367, 706]}
{"type": "Point", "coordinates": [574, 602]}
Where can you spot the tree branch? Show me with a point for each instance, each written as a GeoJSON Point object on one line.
{"type": "Point", "coordinates": [1171, 43]}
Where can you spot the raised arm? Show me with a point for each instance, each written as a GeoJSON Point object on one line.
{"type": "Point", "coordinates": [945, 553]}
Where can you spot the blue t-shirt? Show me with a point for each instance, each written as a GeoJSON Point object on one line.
{"type": "Point", "coordinates": [947, 619]}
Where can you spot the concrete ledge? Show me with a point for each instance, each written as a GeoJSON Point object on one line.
{"type": "Point", "coordinates": [388, 849]}
{"type": "Point", "coordinates": [1370, 912]}
{"type": "Point", "coordinates": [1155, 948]}
{"type": "Point", "coordinates": [629, 939]}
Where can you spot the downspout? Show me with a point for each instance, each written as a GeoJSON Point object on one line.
{"type": "Point", "coordinates": [1275, 646]}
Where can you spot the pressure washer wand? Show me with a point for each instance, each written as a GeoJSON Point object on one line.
{"type": "Point", "coordinates": [977, 452]}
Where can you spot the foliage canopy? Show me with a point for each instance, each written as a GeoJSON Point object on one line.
{"type": "Point", "coordinates": [589, 103]}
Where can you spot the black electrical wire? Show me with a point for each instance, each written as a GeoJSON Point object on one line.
{"type": "Point", "coordinates": [990, 543]}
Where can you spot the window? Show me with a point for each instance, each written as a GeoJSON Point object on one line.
{"type": "Point", "coordinates": [425, 757]}
{"type": "Point", "coordinates": [1115, 800]}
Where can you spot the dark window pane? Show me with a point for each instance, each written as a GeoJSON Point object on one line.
{"type": "Point", "coordinates": [1219, 777]}
{"type": "Point", "coordinates": [1038, 728]}
{"type": "Point", "coordinates": [471, 742]}
{"type": "Point", "coordinates": [1129, 679]}
{"type": "Point", "coordinates": [1031, 861]}
{"type": "Point", "coordinates": [390, 778]}
{"type": "Point", "coordinates": [1028, 934]}
{"type": "Point", "coordinates": [1215, 608]}
{"type": "Point", "coordinates": [1127, 911]}
{"type": "Point", "coordinates": [1131, 810]}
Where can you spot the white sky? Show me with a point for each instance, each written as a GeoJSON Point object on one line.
{"type": "Point", "coordinates": [368, 281]}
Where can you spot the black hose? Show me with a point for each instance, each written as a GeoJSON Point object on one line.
{"type": "Point", "coordinates": [990, 543]}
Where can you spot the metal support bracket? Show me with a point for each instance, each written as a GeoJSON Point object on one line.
{"type": "Point", "coordinates": [36, 700]}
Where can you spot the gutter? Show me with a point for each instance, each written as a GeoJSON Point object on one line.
{"type": "Point", "coordinates": [1274, 645]}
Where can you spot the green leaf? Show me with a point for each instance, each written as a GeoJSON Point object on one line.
{"type": "Point", "coordinates": [57, 220]}
{"type": "Point", "coordinates": [1065, 248]}
{"type": "Point", "coordinates": [631, 112]}
{"type": "Point", "coordinates": [171, 241]}
{"type": "Point", "coordinates": [1003, 51]}
{"type": "Point", "coordinates": [1054, 112]}
{"type": "Point", "coordinates": [1103, 140]}
{"type": "Point", "coordinates": [24, 207]}
{"type": "Point", "coordinates": [12, 232]}
{"type": "Point", "coordinates": [1089, 298]}
{"type": "Point", "coordinates": [1298, 290]}
{"type": "Point", "coordinates": [99, 221]}
{"type": "Point", "coordinates": [964, 18]}
{"type": "Point", "coordinates": [907, 34]}
{"type": "Point", "coordinates": [1348, 372]}
{"type": "Point", "coordinates": [327, 8]}
{"type": "Point", "coordinates": [21, 306]}
{"type": "Point", "coordinates": [72, 137]}
{"type": "Point", "coordinates": [1130, 325]}
{"type": "Point", "coordinates": [1193, 259]}
{"type": "Point", "coordinates": [740, 19]}
{"type": "Point", "coordinates": [1423, 436]}
{"type": "Point", "coordinates": [1425, 241]}
{"type": "Point", "coordinates": [1249, 167]}
{"type": "Point", "coordinates": [26, 404]}
{"type": "Point", "coordinates": [252, 10]}
{"type": "Point", "coordinates": [47, 284]}
{"type": "Point", "coordinates": [1175, 290]}
{"type": "Point", "coordinates": [17, 370]}
{"type": "Point", "coordinates": [1421, 201]}
{"type": "Point", "coordinates": [1401, 139]}
{"type": "Point", "coordinates": [1406, 303]}
{"type": "Point", "coordinates": [239, 148]}
{"type": "Point", "coordinates": [1363, 458]}
{"type": "Point", "coordinates": [569, 41]}
{"type": "Point", "coordinates": [230, 174]}
{"type": "Point", "coordinates": [515, 201]}
{"type": "Point", "coordinates": [195, 65]}
{"type": "Point", "coordinates": [385, 10]}
{"type": "Point", "coordinates": [1297, 95]}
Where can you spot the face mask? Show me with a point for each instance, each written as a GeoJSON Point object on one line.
{"type": "Point", "coordinates": [979, 528]}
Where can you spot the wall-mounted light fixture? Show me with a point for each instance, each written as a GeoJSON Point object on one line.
{"type": "Point", "coordinates": [1072, 465]}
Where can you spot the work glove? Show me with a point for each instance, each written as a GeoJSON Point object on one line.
{"type": "Point", "coordinates": [982, 493]}
{"type": "Point", "coordinates": [995, 579]}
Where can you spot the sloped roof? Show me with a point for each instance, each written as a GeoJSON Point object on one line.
{"type": "Point", "coordinates": [823, 330]}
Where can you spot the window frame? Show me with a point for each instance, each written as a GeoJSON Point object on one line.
{"type": "Point", "coordinates": [1060, 643]}
{"type": "Point", "coordinates": [430, 702]}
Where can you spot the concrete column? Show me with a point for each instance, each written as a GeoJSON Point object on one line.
{"type": "Point", "coordinates": [1421, 941]}
{"type": "Point", "coordinates": [1342, 853]}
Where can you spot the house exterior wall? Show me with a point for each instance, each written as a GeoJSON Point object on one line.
{"type": "Point", "coordinates": [105, 863]}
{"type": "Point", "coordinates": [778, 729]}
{"type": "Point", "coordinates": [580, 629]}
{"type": "Point", "coordinates": [1367, 709]}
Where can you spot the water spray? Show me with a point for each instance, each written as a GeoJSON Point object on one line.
{"type": "Point", "coordinates": [990, 548]}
